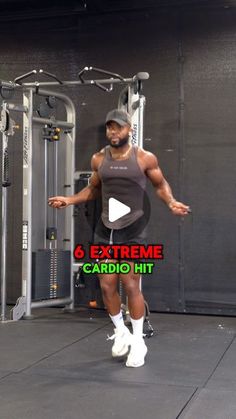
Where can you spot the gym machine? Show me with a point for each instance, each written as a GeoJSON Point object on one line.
{"type": "Point", "coordinates": [48, 141]}
{"type": "Point", "coordinates": [47, 242]}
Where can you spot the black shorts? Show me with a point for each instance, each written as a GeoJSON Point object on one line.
{"type": "Point", "coordinates": [135, 233]}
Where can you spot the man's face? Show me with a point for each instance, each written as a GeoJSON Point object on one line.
{"type": "Point", "coordinates": [116, 134]}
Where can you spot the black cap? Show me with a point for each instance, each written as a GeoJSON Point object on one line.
{"type": "Point", "coordinates": [120, 117]}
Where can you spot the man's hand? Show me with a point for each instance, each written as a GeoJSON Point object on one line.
{"type": "Point", "coordinates": [178, 208]}
{"type": "Point", "coordinates": [59, 201]}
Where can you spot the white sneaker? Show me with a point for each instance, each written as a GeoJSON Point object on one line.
{"type": "Point", "coordinates": [122, 337]}
{"type": "Point", "coordinates": [138, 351]}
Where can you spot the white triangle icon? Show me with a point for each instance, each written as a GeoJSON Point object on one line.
{"type": "Point", "coordinates": [116, 209]}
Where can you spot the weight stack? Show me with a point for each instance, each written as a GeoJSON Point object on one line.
{"type": "Point", "coordinates": [50, 274]}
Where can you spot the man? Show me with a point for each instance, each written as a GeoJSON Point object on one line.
{"type": "Point", "coordinates": [120, 170]}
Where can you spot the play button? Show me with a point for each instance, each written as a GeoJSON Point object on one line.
{"type": "Point", "coordinates": [116, 210]}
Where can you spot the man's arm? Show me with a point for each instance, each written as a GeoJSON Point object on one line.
{"type": "Point", "coordinates": [161, 185]}
{"type": "Point", "coordinates": [89, 193]}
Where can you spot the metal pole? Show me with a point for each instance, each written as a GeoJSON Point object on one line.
{"type": "Point", "coordinates": [47, 121]}
{"type": "Point", "coordinates": [142, 102]}
{"type": "Point", "coordinates": [4, 232]}
{"type": "Point", "coordinates": [71, 83]}
{"type": "Point", "coordinates": [3, 256]}
{"type": "Point", "coordinates": [55, 188]}
{"type": "Point", "coordinates": [135, 104]}
{"type": "Point", "coordinates": [27, 199]}
{"type": "Point", "coordinates": [51, 303]}
{"type": "Point", "coordinates": [45, 193]}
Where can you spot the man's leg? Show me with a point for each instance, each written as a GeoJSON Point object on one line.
{"type": "Point", "coordinates": [112, 302]}
{"type": "Point", "coordinates": [131, 283]}
{"type": "Point", "coordinates": [110, 295]}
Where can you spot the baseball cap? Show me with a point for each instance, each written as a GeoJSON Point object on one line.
{"type": "Point", "coordinates": [121, 117]}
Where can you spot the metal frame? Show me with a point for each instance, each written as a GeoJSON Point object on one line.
{"type": "Point", "coordinates": [135, 106]}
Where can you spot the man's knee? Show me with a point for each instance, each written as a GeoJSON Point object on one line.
{"type": "Point", "coordinates": [131, 285]}
{"type": "Point", "coordinates": [108, 288]}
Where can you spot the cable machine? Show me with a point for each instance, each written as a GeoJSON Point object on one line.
{"type": "Point", "coordinates": [48, 120]}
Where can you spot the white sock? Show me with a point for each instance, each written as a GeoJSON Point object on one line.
{"type": "Point", "coordinates": [137, 325]}
{"type": "Point", "coordinates": [118, 320]}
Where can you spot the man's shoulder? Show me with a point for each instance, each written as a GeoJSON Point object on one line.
{"type": "Point", "coordinates": [100, 153]}
{"type": "Point", "coordinates": [145, 154]}
{"type": "Point", "coordinates": [97, 158]}
{"type": "Point", "coordinates": [146, 159]}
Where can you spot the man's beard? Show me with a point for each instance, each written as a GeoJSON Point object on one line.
{"type": "Point", "coordinates": [121, 143]}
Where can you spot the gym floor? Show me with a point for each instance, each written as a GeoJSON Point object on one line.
{"type": "Point", "coordinates": [59, 365]}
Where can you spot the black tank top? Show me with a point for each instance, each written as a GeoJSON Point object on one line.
{"type": "Point", "coordinates": [124, 181]}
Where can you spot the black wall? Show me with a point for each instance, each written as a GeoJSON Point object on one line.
{"type": "Point", "coordinates": [190, 124]}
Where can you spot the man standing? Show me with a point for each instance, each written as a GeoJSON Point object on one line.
{"type": "Point", "coordinates": [120, 170]}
